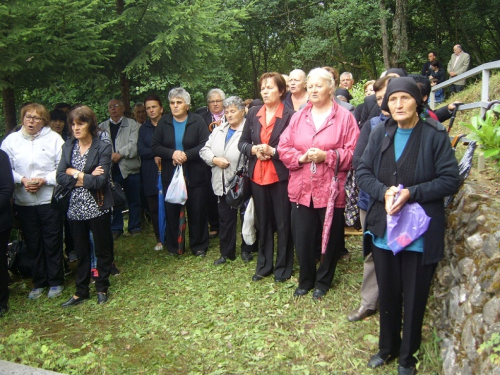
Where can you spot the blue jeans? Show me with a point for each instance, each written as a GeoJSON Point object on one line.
{"type": "Point", "coordinates": [132, 187]}
{"type": "Point", "coordinates": [439, 96]}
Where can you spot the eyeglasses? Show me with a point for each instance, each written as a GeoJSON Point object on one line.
{"type": "Point", "coordinates": [114, 106]}
{"type": "Point", "coordinates": [32, 118]}
{"type": "Point", "coordinates": [215, 101]}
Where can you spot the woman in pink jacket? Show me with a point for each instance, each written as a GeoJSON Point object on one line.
{"type": "Point", "coordinates": [307, 148]}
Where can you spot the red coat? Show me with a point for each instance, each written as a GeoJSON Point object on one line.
{"type": "Point", "coordinates": [340, 132]}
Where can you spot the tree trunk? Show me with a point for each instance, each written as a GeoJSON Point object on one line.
{"type": "Point", "coordinates": [399, 34]}
{"type": "Point", "coordinates": [385, 38]}
{"type": "Point", "coordinates": [9, 109]}
{"type": "Point", "coordinates": [125, 91]}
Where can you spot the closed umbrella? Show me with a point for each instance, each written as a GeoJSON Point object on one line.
{"type": "Point", "coordinates": [181, 239]}
{"type": "Point", "coordinates": [162, 218]}
{"type": "Point", "coordinates": [333, 193]}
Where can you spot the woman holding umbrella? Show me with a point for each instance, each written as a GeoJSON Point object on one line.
{"type": "Point", "coordinates": [151, 163]}
{"type": "Point", "coordinates": [320, 138]}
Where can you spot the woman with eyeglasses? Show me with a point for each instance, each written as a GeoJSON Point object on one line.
{"type": "Point", "coordinates": [34, 152]}
{"type": "Point", "coordinates": [214, 115]}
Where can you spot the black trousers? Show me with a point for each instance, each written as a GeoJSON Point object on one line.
{"type": "Point", "coordinates": [196, 207]}
{"type": "Point", "coordinates": [404, 285]}
{"type": "Point", "coordinates": [307, 227]}
{"type": "Point", "coordinates": [153, 212]}
{"type": "Point", "coordinates": [228, 219]}
{"type": "Point", "coordinates": [103, 242]}
{"type": "Point", "coordinates": [42, 228]}
{"type": "Point", "coordinates": [272, 209]}
{"type": "Point", "coordinates": [212, 203]}
{"type": "Point", "coordinates": [4, 271]}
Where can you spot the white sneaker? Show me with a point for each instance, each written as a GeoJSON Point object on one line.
{"type": "Point", "coordinates": [159, 247]}
{"type": "Point", "coordinates": [54, 291]}
{"type": "Point", "coordinates": [36, 293]}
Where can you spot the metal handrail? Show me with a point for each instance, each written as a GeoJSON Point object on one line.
{"type": "Point", "coordinates": [485, 69]}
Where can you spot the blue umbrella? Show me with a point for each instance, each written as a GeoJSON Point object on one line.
{"type": "Point", "coordinates": [162, 219]}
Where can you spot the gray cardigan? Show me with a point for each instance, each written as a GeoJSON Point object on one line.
{"type": "Point", "coordinates": [215, 148]}
{"type": "Point", "coordinates": [126, 145]}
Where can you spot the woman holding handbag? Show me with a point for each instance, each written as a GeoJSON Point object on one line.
{"type": "Point", "coordinates": [84, 167]}
{"type": "Point", "coordinates": [222, 154]}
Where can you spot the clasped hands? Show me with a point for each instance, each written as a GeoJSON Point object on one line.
{"type": "Point", "coordinates": [314, 154]}
{"type": "Point", "coordinates": [263, 151]}
{"type": "Point", "coordinates": [392, 205]}
{"type": "Point", "coordinates": [179, 157]}
{"type": "Point", "coordinates": [34, 184]}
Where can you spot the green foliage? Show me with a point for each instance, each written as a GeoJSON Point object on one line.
{"type": "Point", "coordinates": [491, 347]}
{"type": "Point", "coordinates": [487, 132]}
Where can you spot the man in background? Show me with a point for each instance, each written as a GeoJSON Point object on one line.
{"type": "Point", "coordinates": [459, 63]}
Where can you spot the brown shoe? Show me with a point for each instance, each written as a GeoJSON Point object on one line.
{"type": "Point", "coordinates": [360, 313]}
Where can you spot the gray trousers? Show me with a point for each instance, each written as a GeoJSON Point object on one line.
{"type": "Point", "coordinates": [369, 287]}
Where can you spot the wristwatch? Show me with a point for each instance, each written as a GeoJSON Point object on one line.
{"type": "Point", "coordinates": [75, 175]}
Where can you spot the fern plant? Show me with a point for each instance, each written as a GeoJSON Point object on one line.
{"type": "Point", "coordinates": [486, 132]}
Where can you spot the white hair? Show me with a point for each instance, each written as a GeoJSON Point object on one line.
{"type": "Point", "coordinates": [180, 92]}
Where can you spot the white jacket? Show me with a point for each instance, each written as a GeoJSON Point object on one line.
{"type": "Point", "coordinates": [215, 148]}
{"type": "Point", "coordinates": [31, 159]}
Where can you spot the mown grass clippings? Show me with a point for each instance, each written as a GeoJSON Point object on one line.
{"type": "Point", "coordinates": [187, 316]}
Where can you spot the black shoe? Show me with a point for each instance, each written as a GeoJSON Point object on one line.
{"type": "Point", "coordinates": [101, 298]}
{"type": "Point", "coordinates": [201, 254]}
{"type": "Point", "coordinates": [74, 301]}
{"type": "Point", "coordinates": [3, 310]}
{"type": "Point", "coordinates": [257, 277]}
{"type": "Point", "coordinates": [220, 261]}
{"type": "Point", "coordinates": [173, 255]}
{"type": "Point", "coordinates": [360, 313]}
{"type": "Point", "coordinates": [300, 292]}
{"type": "Point", "coordinates": [72, 256]}
{"type": "Point", "coordinates": [114, 271]}
{"type": "Point", "coordinates": [318, 294]}
{"type": "Point", "coordinates": [377, 360]}
{"type": "Point", "coordinates": [280, 279]}
{"type": "Point", "coordinates": [246, 257]}
{"type": "Point", "coordinates": [406, 370]}
{"type": "Point", "coordinates": [116, 235]}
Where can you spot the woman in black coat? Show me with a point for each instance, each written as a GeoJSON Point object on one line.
{"type": "Point", "coordinates": [417, 155]}
{"type": "Point", "coordinates": [6, 192]}
{"type": "Point", "coordinates": [269, 177]}
{"type": "Point", "coordinates": [84, 168]}
{"type": "Point", "coordinates": [149, 162]}
{"type": "Point", "coordinates": [177, 140]}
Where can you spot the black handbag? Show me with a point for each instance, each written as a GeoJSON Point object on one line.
{"type": "Point", "coordinates": [238, 186]}
{"type": "Point", "coordinates": [119, 197]}
{"type": "Point", "coordinates": [351, 212]}
{"type": "Point", "coordinates": [60, 198]}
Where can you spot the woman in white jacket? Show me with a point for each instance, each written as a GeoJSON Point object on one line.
{"type": "Point", "coordinates": [34, 152]}
{"type": "Point", "coordinates": [222, 154]}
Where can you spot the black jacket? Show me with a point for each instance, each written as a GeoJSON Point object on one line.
{"type": "Point", "coordinates": [6, 191]}
{"type": "Point", "coordinates": [149, 170]}
{"type": "Point", "coordinates": [195, 137]}
{"type": "Point", "coordinates": [99, 155]}
{"type": "Point", "coordinates": [436, 176]}
{"type": "Point", "coordinates": [251, 136]}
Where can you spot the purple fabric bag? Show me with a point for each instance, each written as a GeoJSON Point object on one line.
{"type": "Point", "coordinates": [406, 226]}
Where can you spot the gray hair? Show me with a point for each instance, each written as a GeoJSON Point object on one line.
{"type": "Point", "coordinates": [236, 101]}
{"type": "Point", "coordinates": [179, 92]}
{"type": "Point", "coordinates": [298, 71]}
{"type": "Point", "coordinates": [216, 91]}
{"type": "Point", "coordinates": [323, 74]}
{"type": "Point", "coordinates": [346, 74]}
{"type": "Point", "coordinates": [139, 104]}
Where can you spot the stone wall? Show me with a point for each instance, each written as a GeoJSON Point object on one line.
{"type": "Point", "coordinates": [466, 295]}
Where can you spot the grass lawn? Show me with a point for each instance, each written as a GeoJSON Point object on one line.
{"type": "Point", "coordinates": [187, 316]}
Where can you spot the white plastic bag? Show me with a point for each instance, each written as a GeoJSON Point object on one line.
{"type": "Point", "coordinates": [248, 230]}
{"type": "Point", "coordinates": [177, 192]}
